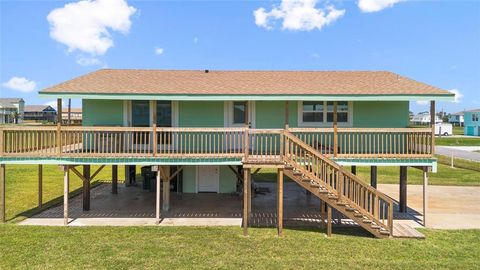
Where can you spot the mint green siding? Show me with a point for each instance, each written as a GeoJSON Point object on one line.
{"type": "Point", "coordinates": [380, 114]}
{"type": "Point", "coordinates": [189, 179]}
{"type": "Point", "coordinates": [271, 114]}
{"type": "Point", "coordinates": [228, 180]}
{"type": "Point", "coordinates": [98, 112]}
{"type": "Point", "coordinates": [200, 113]}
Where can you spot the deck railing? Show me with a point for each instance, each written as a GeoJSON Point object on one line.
{"type": "Point", "coordinates": [254, 144]}
{"type": "Point", "coordinates": [345, 185]}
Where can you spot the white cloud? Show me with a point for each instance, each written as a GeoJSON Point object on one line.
{"type": "Point", "coordinates": [298, 15]}
{"type": "Point", "coordinates": [158, 51]}
{"type": "Point", "coordinates": [88, 61]}
{"type": "Point", "coordinates": [85, 25]}
{"type": "Point", "coordinates": [195, 40]}
{"type": "Point", "coordinates": [20, 84]}
{"type": "Point", "coordinates": [376, 5]}
{"type": "Point", "coordinates": [458, 95]}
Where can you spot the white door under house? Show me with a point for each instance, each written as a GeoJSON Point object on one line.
{"type": "Point", "coordinates": [208, 178]}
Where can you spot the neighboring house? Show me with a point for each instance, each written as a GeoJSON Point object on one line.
{"type": "Point", "coordinates": [11, 110]}
{"type": "Point", "coordinates": [75, 116]}
{"type": "Point", "coordinates": [472, 122]}
{"type": "Point", "coordinates": [456, 119]}
{"type": "Point", "coordinates": [423, 118]}
{"type": "Point", "coordinates": [209, 130]}
{"type": "Point", "coordinates": [40, 113]}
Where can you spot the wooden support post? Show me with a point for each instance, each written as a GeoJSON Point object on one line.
{"type": "Point", "coordinates": [286, 112]}
{"type": "Point", "coordinates": [373, 176]}
{"type": "Point", "coordinates": [59, 111]}
{"type": "Point", "coordinates": [250, 192]}
{"type": "Point", "coordinates": [335, 130]}
{"type": "Point", "coordinates": [246, 191]}
{"type": "Point", "coordinates": [166, 188]}
{"type": "Point", "coordinates": [280, 201]}
{"type": "Point", "coordinates": [86, 188]}
{"type": "Point", "coordinates": [59, 125]}
{"type": "Point", "coordinates": [432, 124]}
{"type": "Point", "coordinates": [114, 179]}
{"type": "Point", "coordinates": [322, 212]}
{"type": "Point", "coordinates": [354, 169]}
{"type": "Point", "coordinates": [246, 144]}
{"type": "Point", "coordinates": [2, 193]}
{"type": "Point", "coordinates": [40, 185]}
{"type": "Point", "coordinates": [425, 195]}
{"type": "Point", "coordinates": [157, 197]}
{"type": "Point", "coordinates": [403, 189]}
{"type": "Point", "coordinates": [329, 221]}
{"type": "Point", "coordinates": [66, 183]}
{"type": "Point", "coordinates": [69, 112]}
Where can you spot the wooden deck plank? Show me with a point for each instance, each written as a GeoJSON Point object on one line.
{"type": "Point", "coordinates": [406, 231]}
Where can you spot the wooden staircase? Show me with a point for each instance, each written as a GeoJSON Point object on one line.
{"type": "Point", "coordinates": [339, 189]}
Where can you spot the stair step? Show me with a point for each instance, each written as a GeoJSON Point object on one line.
{"type": "Point", "coordinates": [341, 203]}
{"type": "Point", "coordinates": [384, 232]}
{"type": "Point", "coordinates": [314, 185]}
{"type": "Point", "coordinates": [375, 226]}
{"type": "Point", "coordinates": [333, 197]}
{"type": "Point", "coordinates": [288, 167]}
{"type": "Point", "coordinates": [358, 215]}
{"type": "Point", "coordinates": [323, 191]}
{"type": "Point", "coordinates": [297, 173]}
{"type": "Point", "coordinates": [349, 208]}
{"type": "Point", "coordinates": [306, 179]}
{"type": "Point", "coordinates": [366, 221]}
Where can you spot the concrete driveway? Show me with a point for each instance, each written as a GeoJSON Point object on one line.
{"type": "Point", "coordinates": [449, 207]}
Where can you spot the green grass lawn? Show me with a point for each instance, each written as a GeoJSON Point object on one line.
{"type": "Point", "coordinates": [35, 247]}
{"type": "Point", "coordinates": [454, 141]}
{"type": "Point", "coordinates": [459, 163]}
{"type": "Point", "coordinates": [226, 248]}
{"type": "Point", "coordinates": [458, 130]}
{"type": "Point", "coordinates": [22, 187]}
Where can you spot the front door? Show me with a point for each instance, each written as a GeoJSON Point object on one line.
{"type": "Point", "coordinates": [208, 178]}
{"type": "Point", "coordinates": [140, 113]}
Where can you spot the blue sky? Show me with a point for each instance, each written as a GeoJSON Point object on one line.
{"type": "Point", "coordinates": [437, 42]}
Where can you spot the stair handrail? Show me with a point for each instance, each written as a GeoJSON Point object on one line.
{"type": "Point", "coordinates": [289, 136]}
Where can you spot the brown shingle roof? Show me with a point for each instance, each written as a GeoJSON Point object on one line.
{"type": "Point", "coordinates": [196, 82]}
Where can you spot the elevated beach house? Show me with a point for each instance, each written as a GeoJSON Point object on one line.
{"type": "Point", "coordinates": [472, 122]}
{"type": "Point", "coordinates": [216, 127]}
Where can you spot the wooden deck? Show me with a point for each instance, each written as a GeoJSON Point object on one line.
{"type": "Point", "coordinates": [251, 145]}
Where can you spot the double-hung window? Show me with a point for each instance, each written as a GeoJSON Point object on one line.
{"type": "Point", "coordinates": [320, 113]}
{"type": "Point", "coordinates": [313, 111]}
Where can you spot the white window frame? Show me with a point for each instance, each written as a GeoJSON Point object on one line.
{"type": "Point", "coordinates": [301, 123]}
{"type": "Point", "coordinates": [228, 114]}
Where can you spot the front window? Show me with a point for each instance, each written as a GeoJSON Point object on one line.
{"type": "Point", "coordinates": [475, 117]}
{"type": "Point", "coordinates": [239, 111]}
{"type": "Point", "coordinates": [313, 111]}
{"type": "Point", "coordinates": [342, 111]}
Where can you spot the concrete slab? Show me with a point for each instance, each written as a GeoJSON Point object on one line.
{"type": "Point", "coordinates": [449, 207]}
